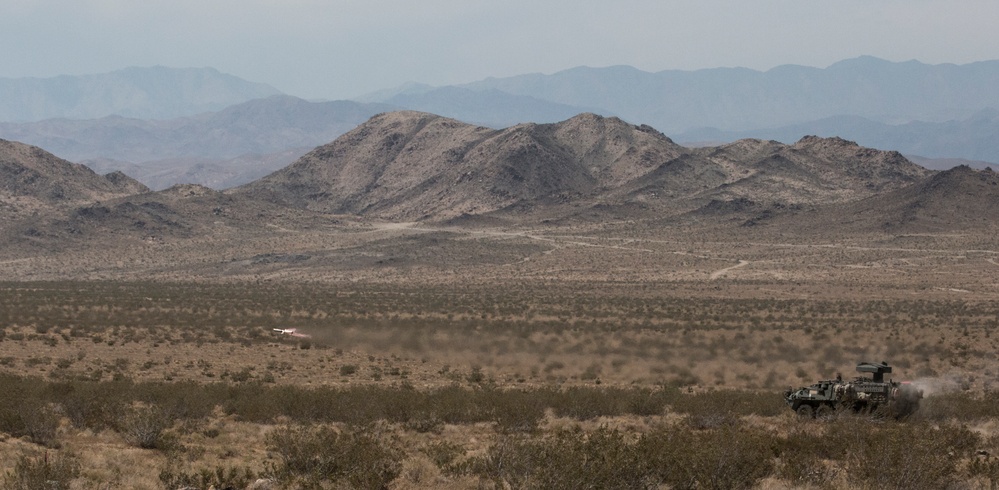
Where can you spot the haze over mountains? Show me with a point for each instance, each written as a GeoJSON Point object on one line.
{"type": "Point", "coordinates": [272, 131]}
{"type": "Point", "coordinates": [161, 135]}
{"type": "Point", "coordinates": [146, 93]}
{"type": "Point", "coordinates": [739, 98]}
{"type": "Point", "coordinates": [897, 105]}
{"type": "Point", "coordinates": [973, 139]}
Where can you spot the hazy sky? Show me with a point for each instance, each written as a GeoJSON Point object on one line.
{"type": "Point", "coordinates": [345, 48]}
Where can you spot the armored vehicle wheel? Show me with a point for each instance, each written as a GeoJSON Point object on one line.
{"type": "Point", "coordinates": [805, 411]}
{"type": "Point", "coordinates": [824, 412]}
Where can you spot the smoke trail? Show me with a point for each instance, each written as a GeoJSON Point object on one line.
{"type": "Point", "coordinates": [939, 385]}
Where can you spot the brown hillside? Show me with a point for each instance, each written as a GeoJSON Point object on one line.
{"type": "Point", "coordinates": [410, 165]}
{"type": "Point", "coordinates": [752, 180]}
{"type": "Point", "coordinates": [812, 171]}
{"type": "Point", "coordinates": [957, 199]}
{"type": "Point", "coordinates": [182, 212]}
{"type": "Point", "coordinates": [32, 180]}
{"type": "Point", "coordinates": [30, 171]}
{"type": "Point", "coordinates": [415, 166]}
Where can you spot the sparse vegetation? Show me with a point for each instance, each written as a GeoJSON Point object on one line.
{"type": "Point", "coordinates": [619, 379]}
{"type": "Point", "coordinates": [46, 471]}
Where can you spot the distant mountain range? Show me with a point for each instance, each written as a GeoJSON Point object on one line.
{"type": "Point", "coordinates": [489, 107]}
{"type": "Point", "coordinates": [674, 101]}
{"type": "Point", "coordinates": [145, 93]}
{"type": "Point", "coordinates": [940, 111]}
{"type": "Point", "coordinates": [221, 149]}
{"type": "Point", "coordinates": [974, 138]}
{"type": "Point", "coordinates": [165, 126]}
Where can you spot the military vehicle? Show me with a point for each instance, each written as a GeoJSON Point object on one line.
{"type": "Point", "coordinates": [862, 394]}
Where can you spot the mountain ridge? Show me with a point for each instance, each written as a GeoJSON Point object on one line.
{"type": "Point", "coordinates": [909, 98]}
{"type": "Point", "coordinates": [156, 92]}
{"type": "Point", "coordinates": [207, 148]}
{"type": "Point", "coordinates": [32, 179]}
{"type": "Point", "coordinates": [971, 138]}
{"type": "Point", "coordinates": [204, 149]}
{"type": "Point", "coordinates": [866, 86]}
{"type": "Point", "coordinates": [412, 166]}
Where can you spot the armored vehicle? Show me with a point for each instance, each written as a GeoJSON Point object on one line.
{"type": "Point", "coordinates": [862, 394]}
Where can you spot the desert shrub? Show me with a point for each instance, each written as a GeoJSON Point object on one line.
{"type": "Point", "coordinates": [800, 461]}
{"type": "Point", "coordinates": [40, 422]}
{"type": "Point", "coordinates": [583, 403]}
{"type": "Point", "coordinates": [425, 424]}
{"type": "Point", "coordinates": [726, 458]}
{"type": "Point", "coordinates": [476, 375]}
{"type": "Point", "coordinates": [714, 418]}
{"type": "Point", "coordinates": [143, 426]}
{"type": "Point", "coordinates": [184, 400]}
{"type": "Point", "coordinates": [173, 476]}
{"type": "Point", "coordinates": [893, 455]}
{"type": "Point", "coordinates": [640, 401]}
{"type": "Point", "coordinates": [240, 376]}
{"type": "Point", "coordinates": [986, 470]}
{"type": "Point", "coordinates": [961, 406]}
{"type": "Point", "coordinates": [730, 401]}
{"type": "Point", "coordinates": [29, 416]}
{"type": "Point", "coordinates": [675, 456]}
{"type": "Point", "coordinates": [447, 457]}
{"type": "Point", "coordinates": [96, 406]}
{"type": "Point", "coordinates": [310, 456]}
{"type": "Point", "coordinates": [49, 471]}
{"type": "Point", "coordinates": [568, 459]}
{"type": "Point", "coordinates": [592, 372]}
{"type": "Point", "coordinates": [37, 361]}
{"type": "Point", "coordinates": [512, 410]}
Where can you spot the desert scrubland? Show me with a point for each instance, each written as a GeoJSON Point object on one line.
{"type": "Point", "coordinates": [561, 364]}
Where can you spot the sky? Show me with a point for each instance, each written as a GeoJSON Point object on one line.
{"type": "Point", "coordinates": [336, 49]}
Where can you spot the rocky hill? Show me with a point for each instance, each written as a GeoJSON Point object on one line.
{"type": "Point", "coordinates": [813, 170]}
{"type": "Point", "coordinates": [959, 198]}
{"type": "Point", "coordinates": [33, 180]}
{"type": "Point", "coordinates": [412, 166]}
